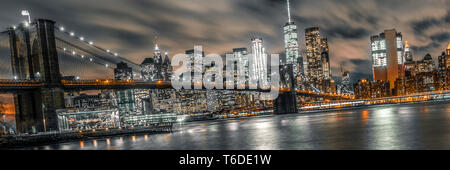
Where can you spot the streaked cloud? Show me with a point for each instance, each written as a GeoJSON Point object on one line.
{"type": "Point", "coordinates": [129, 26]}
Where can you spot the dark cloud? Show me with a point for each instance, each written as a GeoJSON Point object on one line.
{"type": "Point", "coordinates": [421, 26]}
{"type": "Point", "coordinates": [346, 32]}
{"type": "Point", "coordinates": [362, 70]}
{"type": "Point", "coordinates": [129, 27]}
{"type": "Point", "coordinates": [441, 37]}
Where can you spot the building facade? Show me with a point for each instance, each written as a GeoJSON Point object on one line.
{"type": "Point", "coordinates": [387, 54]}
{"type": "Point", "coordinates": [125, 98]}
{"type": "Point", "coordinates": [258, 69]}
{"type": "Point", "coordinates": [317, 55]}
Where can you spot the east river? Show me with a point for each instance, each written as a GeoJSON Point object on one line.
{"type": "Point", "coordinates": [407, 126]}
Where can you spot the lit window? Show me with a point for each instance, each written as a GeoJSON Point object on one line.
{"type": "Point", "coordinates": [382, 45]}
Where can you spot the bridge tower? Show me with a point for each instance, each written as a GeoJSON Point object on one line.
{"type": "Point", "coordinates": [34, 57]}
{"type": "Point", "coordinates": [286, 101]}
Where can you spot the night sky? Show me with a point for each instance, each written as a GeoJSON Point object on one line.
{"type": "Point", "coordinates": [129, 26]}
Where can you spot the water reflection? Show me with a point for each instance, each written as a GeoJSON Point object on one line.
{"type": "Point", "coordinates": [94, 142]}
{"type": "Point", "coordinates": [81, 144]}
{"type": "Point", "coordinates": [365, 114]}
{"type": "Point", "coordinates": [377, 127]}
{"type": "Point", "coordinates": [384, 134]}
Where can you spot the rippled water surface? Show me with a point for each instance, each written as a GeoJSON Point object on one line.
{"type": "Point", "coordinates": [411, 126]}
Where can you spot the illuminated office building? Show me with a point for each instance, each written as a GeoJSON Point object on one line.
{"type": "Point", "coordinates": [259, 67]}
{"type": "Point", "coordinates": [386, 52]}
{"type": "Point", "coordinates": [241, 56]}
{"type": "Point", "coordinates": [291, 42]}
{"type": "Point", "coordinates": [346, 86]}
{"type": "Point", "coordinates": [195, 68]}
{"type": "Point", "coordinates": [317, 55]}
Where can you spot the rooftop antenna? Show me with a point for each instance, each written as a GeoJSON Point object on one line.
{"type": "Point", "coordinates": [156, 48]}
{"type": "Point", "coordinates": [289, 11]}
{"type": "Point", "coordinates": [26, 13]}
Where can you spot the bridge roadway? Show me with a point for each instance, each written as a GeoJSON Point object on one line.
{"type": "Point", "coordinates": [12, 86]}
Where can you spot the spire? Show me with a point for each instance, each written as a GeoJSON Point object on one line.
{"type": "Point", "coordinates": [166, 58]}
{"type": "Point", "coordinates": [289, 12]}
{"type": "Point", "coordinates": [156, 48]}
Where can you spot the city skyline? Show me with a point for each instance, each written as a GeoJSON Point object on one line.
{"type": "Point", "coordinates": [181, 25]}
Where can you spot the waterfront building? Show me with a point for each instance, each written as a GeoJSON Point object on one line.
{"type": "Point", "coordinates": [386, 50]}
{"type": "Point", "coordinates": [92, 102]}
{"type": "Point", "coordinates": [362, 89]}
{"type": "Point", "coordinates": [149, 72]}
{"type": "Point", "coordinates": [427, 81]}
{"type": "Point", "coordinates": [365, 89]}
{"type": "Point", "coordinates": [125, 98]}
{"type": "Point", "coordinates": [163, 100]}
{"type": "Point", "coordinates": [155, 101]}
{"type": "Point", "coordinates": [191, 101]}
{"type": "Point", "coordinates": [74, 119]}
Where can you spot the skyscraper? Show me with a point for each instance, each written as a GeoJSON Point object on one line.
{"type": "Point", "coordinates": [408, 54]}
{"type": "Point", "coordinates": [387, 56]}
{"type": "Point", "coordinates": [317, 55]}
{"type": "Point", "coordinates": [148, 69]}
{"type": "Point", "coordinates": [167, 68]}
{"type": "Point", "coordinates": [290, 40]}
{"type": "Point", "coordinates": [346, 86]}
{"type": "Point", "coordinates": [123, 72]}
{"type": "Point", "coordinates": [240, 54]}
{"type": "Point", "coordinates": [444, 69]}
{"type": "Point", "coordinates": [259, 66]}
{"type": "Point", "coordinates": [196, 56]}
